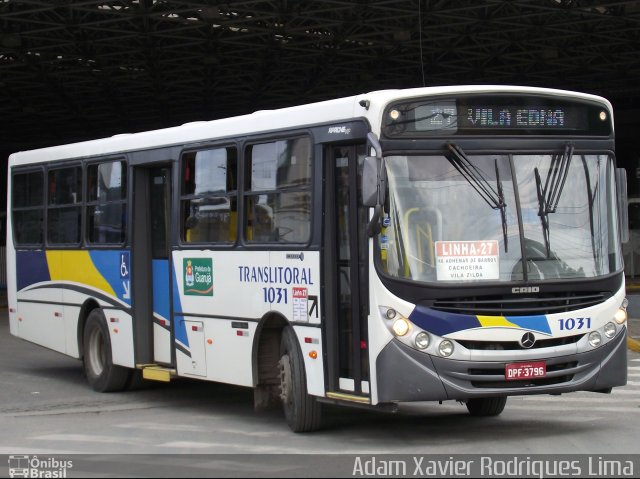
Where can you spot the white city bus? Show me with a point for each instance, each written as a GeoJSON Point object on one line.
{"type": "Point", "coordinates": [430, 244]}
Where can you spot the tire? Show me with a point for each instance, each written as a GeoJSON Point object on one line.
{"type": "Point", "coordinates": [101, 374]}
{"type": "Point", "coordinates": [486, 407]}
{"type": "Point", "coordinates": [302, 412]}
{"type": "Point", "coordinates": [136, 382]}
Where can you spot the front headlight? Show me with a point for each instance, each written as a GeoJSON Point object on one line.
{"type": "Point", "coordinates": [610, 330]}
{"type": "Point", "coordinates": [400, 327]}
{"type": "Point", "coordinates": [422, 340]}
{"type": "Point", "coordinates": [445, 348]}
{"type": "Point", "coordinates": [595, 339]}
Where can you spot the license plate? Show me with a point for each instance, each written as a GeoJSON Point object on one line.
{"type": "Point", "coordinates": [520, 371]}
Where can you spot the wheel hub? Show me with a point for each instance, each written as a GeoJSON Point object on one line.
{"type": "Point", "coordinates": [96, 352]}
{"type": "Point", "coordinates": [285, 379]}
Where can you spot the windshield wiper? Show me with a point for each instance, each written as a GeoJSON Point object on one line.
{"type": "Point", "coordinates": [549, 195]}
{"type": "Point", "coordinates": [477, 179]}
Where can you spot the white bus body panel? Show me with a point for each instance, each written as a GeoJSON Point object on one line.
{"type": "Point", "coordinates": [313, 367]}
{"type": "Point", "coordinates": [120, 327]}
{"type": "Point", "coordinates": [229, 354]}
{"type": "Point", "coordinates": [39, 320]}
{"type": "Point", "coordinates": [162, 343]}
{"type": "Point", "coordinates": [246, 287]}
{"type": "Point", "coordinates": [196, 363]}
{"type": "Point", "coordinates": [379, 334]}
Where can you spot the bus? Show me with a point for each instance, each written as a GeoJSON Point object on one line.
{"type": "Point", "coordinates": [18, 466]}
{"type": "Point", "coordinates": [428, 244]}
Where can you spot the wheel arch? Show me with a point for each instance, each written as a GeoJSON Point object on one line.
{"type": "Point", "coordinates": [265, 352]}
{"type": "Point", "coordinates": [89, 305]}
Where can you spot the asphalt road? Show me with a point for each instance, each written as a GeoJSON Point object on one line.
{"type": "Point", "coordinates": [47, 408]}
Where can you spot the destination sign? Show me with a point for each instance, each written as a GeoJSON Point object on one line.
{"type": "Point", "coordinates": [518, 117]}
{"type": "Point", "coordinates": [501, 115]}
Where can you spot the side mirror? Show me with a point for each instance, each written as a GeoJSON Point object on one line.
{"type": "Point", "coordinates": [623, 204]}
{"type": "Point", "coordinates": [370, 181]}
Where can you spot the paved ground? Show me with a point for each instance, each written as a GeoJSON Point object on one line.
{"type": "Point", "coordinates": [634, 328]}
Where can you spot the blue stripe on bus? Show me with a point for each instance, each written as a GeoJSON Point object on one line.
{"type": "Point", "coordinates": [441, 323]}
{"type": "Point", "coordinates": [534, 323]}
{"type": "Point", "coordinates": [34, 268]}
{"type": "Point", "coordinates": [108, 264]}
{"type": "Point", "coordinates": [160, 274]}
{"type": "Point", "coordinates": [179, 328]}
{"type": "Point", "coordinates": [31, 268]}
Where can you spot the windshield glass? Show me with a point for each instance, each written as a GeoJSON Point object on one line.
{"type": "Point", "coordinates": [454, 217]}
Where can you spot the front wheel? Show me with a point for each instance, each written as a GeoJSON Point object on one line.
{"type": "Point", "coordinates": [101, 373]}
{"type": "Point", "coordinates": [302, 412]}
{"type": "Point", "coordinates": [486, 407]}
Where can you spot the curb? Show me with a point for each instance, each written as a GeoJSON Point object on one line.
{"type": "Point", "coordinates": [633, 344]}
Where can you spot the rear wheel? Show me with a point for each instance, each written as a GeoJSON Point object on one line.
{"type": "Point", "coordinates": [136, 382]}
{"type": "Point", "coordinates": [486, 407]}
{"type": "Point", "coordinates": [101, 373]}
{"type": "Point", "coordinates": [302, 412]}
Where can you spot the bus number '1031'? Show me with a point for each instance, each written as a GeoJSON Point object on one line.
{"type": "Point", "coordinates": [275, 295]}
{"type": "Point", "coordinates": [569, 324]}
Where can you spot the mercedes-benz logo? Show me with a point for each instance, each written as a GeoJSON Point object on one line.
{"type": "Point", "coordinates": [528, 340]}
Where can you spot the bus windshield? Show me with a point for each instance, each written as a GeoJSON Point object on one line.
{"type": "Point", "coordinates": [456, 217]}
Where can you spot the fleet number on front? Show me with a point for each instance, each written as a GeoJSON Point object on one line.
{"type": "Point", "coordinates": [569, 324]}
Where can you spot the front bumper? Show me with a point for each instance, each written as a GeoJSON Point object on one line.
{"type": "Point", "coordinates": [406, 375]}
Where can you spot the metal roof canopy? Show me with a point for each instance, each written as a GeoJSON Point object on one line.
{"type": "Point", "coordinates": [74, 70]}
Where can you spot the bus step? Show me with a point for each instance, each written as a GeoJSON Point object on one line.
{"type": "Point", "coordinates": [348, 397]}
{"type": "Point", "coordinates": [153, 372]}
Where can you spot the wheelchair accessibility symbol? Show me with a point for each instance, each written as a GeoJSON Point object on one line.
{"type": "Point", "coordinates": [124, 275]}
{"type": "Point", "coordinates": [124, 265]}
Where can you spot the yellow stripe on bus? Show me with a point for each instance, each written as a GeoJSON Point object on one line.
{"type": "Point", "coordinates": [493, 321]}
{"type": "Point", "coordinates": [77, 267]}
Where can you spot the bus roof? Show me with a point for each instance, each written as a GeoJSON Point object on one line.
{"type": "Point", "coordinates": [268, 120]}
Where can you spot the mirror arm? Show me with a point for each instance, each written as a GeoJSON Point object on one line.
{"type": "Point", "coordinates": [623, 204]}
{"type": "Point", "coordinates": [372, 139]}
{"type": "Point", "coordinates": [374, 227]}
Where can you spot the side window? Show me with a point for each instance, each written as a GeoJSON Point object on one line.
{"type": "Point", "coordinates": [64, 211]}
{"type": "Point", "coordinates": [27, 207]}
{"type": "Point", "coordinates": [209, 203]}
{"type": "Point", "coordinates": [278, 192]}
{"type": "Point", "coordinates": [107, 202]}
